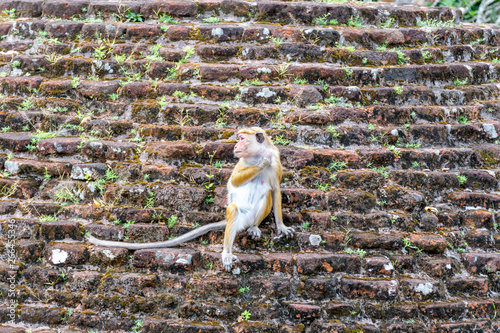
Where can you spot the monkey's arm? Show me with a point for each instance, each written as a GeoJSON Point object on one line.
{"type": "Point", "coordinates": [242, 175]}
{"type": "Point", "coordinates": [173, 242]}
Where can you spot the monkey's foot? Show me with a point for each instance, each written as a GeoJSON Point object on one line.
{"type": "Point", "coordinates": [227, 260]}
{"type": "Point", "coordinates": [254, 232]}
{"type": "Point", "coordinates": [286, 231]}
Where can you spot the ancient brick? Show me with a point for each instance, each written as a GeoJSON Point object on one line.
{"type": "Point", "coordinates": [358, 201]}
{"type": "Point", "coordinates": [324, 157]}
{"type": "Point", "coordinates": [29, 251]}
{"type": "Point", "coordinates": [479, 179]}
{"type": "Point", "coordinates": [318, 289]}
{"type": "Point", "coordinates": [5, 28]}
{"type": "Point", "coordinates": [130, 284]}
{"type": "Point", "coordinates": [280, 262]}
{"type": "Point", "coordinates": [23, 8]}
{"type": "Point", "coordinates": [215, 93]}
{"type": "Point", "coordinates": [359, 178]}
{"type": "Point", "coordinates": [58, 145]}
{"type": "Point", "coordinates": [221, 33]}
{"type": "Point", "coordinates": [22, 189]}
{"type": "Point", "coordinates": [105, 30]}
{"type": "Point", "coordinates": [66, 254]}
{"type": "Point", "coordinates": [57, 230]}
{"type": "Point", "coordinates": [218, 150]}
{"type": "Point", "coordinates": [398, 197]}
{"type": "Point", "coordinates": [105, 231]}
{"type": "Point", "coordinates": [105, 257]}
{"type": "Point", "coordinates": [218, 72]}
{"type": "Point", "coordinates": [64, 9]}
{"type": "Point", "coordinates": [83, 211]}
{"type": "Point", "coordinates": [428, 222]}
{"type": "Point", "coordinates": [62, 29]}
{"type": "Point", "coordinates": [472, 286]}
{"type": "Point", "coordinates": [421, 289]}
{"type": "Point", "coordinates": [20, 84]}
{"type": "Point", "coordinates": [429, 242]}
{"type": "Point", "coordinates": [312, 263]}
{"type": "Point", "coordinates": [148, 233]}
{"type": "Point", "coordinates": [324, 326]}
{"type": "Point", "coordinates": [369, 288]}
{"type": "Point", "coordinates": [136, 90]}
{"type": "Point", "coordinates": [84, 281]}
{"type": "Point", "coordinates": [216, 52]}
{"type": "Point", "coordinates": [169, 259]}
{"type": "Point", "coordinates": [440, 267]}
{"type": "Point", "coordinates": [339, 309]}
{"type": "Point", "coordinates": [177, 33]}
{"type": "Point", "coordinates": [15, 141]}
{"type": "Point", "coordinates": [109, 150]}
{"type": "Point", "coordinates": [250, 327]}
{"type": "Point", "coordinates": [7, 207]}
{"type": "Point", "coordinates": [477, 218]}
{"type": "Point", "coordinates": [475, 199]}
{"type": "Point", "coordinates": [443, 310]}
{"type": "Point", "coordinates": [481, 263]}
{"type": "Point", "coordinates": [273, 286]}
{"type": "Point", "coordinates": [46, 315]}
{"type": "Point", "coordinates": [173, 8]}
{"type": "Point", "coordinates": [215, 285]}
{"type": "Point", "coordinates": [97, 89]}
{"type": "Point", "coordinates": [172, 150]}
{"type": "Point", "coordinates": [379, 266]}
{"type": "Point", "coordinates": [480, 309]}
{"type": "Point", "coordinates": [304, 311]}
{"type": "Point", "coordinates": [373, 240]}
{"type": "Point", "coordinates": [334, 241]}
{"type": "Point", "coordinates": [56, 88]}
{"type": "Point", "coordinates": [143, 31]}
{"type": "Point", "coordinates": [479, 239]}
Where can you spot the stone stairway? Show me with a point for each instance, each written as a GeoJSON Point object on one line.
{"type": "Point", "coordinates": [119, 119]}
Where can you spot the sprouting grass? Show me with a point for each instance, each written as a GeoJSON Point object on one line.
{"type": "Point", "coordinates": [459, 83]}
{"type": "Point", "coordinates": [436, 23]}
{"type": "Point", "coordinates": [211, 20]}
{"type": "Point", "coordinates": [337, 165]}
{"type": "Point", "coordinates": [355, 22]}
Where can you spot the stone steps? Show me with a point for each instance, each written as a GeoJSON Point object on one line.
{"type": "Point", "coordinates": [119, 119]}
{"type": "Point", "coordinates": [270, 11]}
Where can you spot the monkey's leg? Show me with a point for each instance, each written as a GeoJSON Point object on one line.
{"type": "Point", "coordinates": [259, 213]}
{"type": "Point", "coordinates": [278, 215]}
{"type": "Point", "coordinates": [234, 224]}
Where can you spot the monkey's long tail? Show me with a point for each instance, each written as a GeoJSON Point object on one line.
{"type": "Point", "coordinates": [170, 243]}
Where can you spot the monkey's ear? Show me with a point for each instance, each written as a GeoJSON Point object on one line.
{"type": "Point", "coordinates": [260, 137]}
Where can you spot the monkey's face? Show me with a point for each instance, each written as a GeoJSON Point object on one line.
{"type": "Point", "coordinates": [248, 145]}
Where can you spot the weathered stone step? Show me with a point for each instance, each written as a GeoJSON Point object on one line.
{"type": "Point", "coordinates": [305, 53]}
{"type": "Point", "coordinates": [347, 56]}
{"type": "Point", "coordinates": [307, 12]}
{"type": "Point", "coordinates": [172, 196]}
{"type": "Point", "coordinates": [458, 74]}
{"type": "Point", "coordinates": [99, 10]}
{"type": "Point", "coordinates": [69, 36]}
{"type": "Point", "coordinates": [407, 153]}
{"type": "Point", "coordinates": [271, 11]}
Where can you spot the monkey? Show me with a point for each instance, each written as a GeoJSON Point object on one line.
{"type": "Point", "coordinates": [253, 190]}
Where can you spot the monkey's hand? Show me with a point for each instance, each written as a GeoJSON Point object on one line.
{"type": "Point", "coordinates": [227, 260]}
{"type": "Point", "coordinates": [264, 163]}
{"type": "Point", "coordinates": [286, 231]}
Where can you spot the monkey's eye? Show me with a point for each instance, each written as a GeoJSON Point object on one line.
{"type": "Point", "coordinates": [241, 137]}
